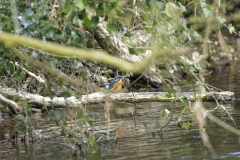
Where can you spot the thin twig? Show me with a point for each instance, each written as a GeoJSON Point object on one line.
{"type": "Point", "coordinates": [38, 78]}
{"type": "Point", "coordinates": [159, 132]}
{"type": "Point", "coordinates": [223, 124]}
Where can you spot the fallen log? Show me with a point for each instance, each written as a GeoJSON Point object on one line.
{"type": "Point", "coordinates": [38, 101]}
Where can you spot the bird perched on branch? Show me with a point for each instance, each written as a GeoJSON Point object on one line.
{"type": "Point", "coordinates": [116, 84]}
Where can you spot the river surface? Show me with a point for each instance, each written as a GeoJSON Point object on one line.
{"type": "Point", "coordinates": [134, 138]}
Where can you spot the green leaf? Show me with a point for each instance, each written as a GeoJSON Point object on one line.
{"type": "Point", "coordinates": [18, 117]}
{"type": "Point", "coordinates": [112, 29]}
{"type": "Point", "coordinates": [185, 109]}
{"type": "Point", "coordinates": [206, 12]}
{"type": "Point", "coordinates": [164, 113]}
{"type": "Point", "coordinates": [11, 67]}
{"type": "Point", "coordinates": [174, 40]}
{"type": "Point", "coordinates": [148, 29]}
{"type": "Point", "coordinates": [159, 4]}
{"type": "Point", "coordinates": [60, 82]}
{"type": "Point", "coordinates": [195, 34]}
{"type": "Point", "coordinates": [95, 21]}
{"type": "Point", "coordinates": [172, 10]}
{"type": "Point", "coordinates": [87, 22]}
{"type": "Point", "coordinates": [183, 8]}
{"type": "Point", "coordinates": [83, 75]}
{"type": "Point", "coordinates": [202, 3]}
{"type": "Point", "coordinates": [27, 107]}
{"type": "Point", "coordinates": [5, 110]}
{"type": "Point", "coordinates": [186, 125]}
{"type": "Point", "coordinates": [119, 8]}
{"type": "Point", "coordinates": [63, 133]}
{"type": "Point", "coordinates": [187, 35]}
{"type": "Point", "coordinates": [193, 69]}
{"type": "Point", "coordinates": [205, 9]}
{"type": "Point", "coordinates": [1, 25]}
{"type": "Point", "coordinates": [128, 34]}
{"type": "Point", "coordinates": [165, 72]}
{"type": "Point", "coordinates": [69, 103]}
{"type": "Point", "coordinates": [168, 88]}
{"type": "Point", "coordinates": [79, 95]}
{"type": "Point", "coordinates": [183, 23]}
{"type": "Point", "coordinates": [53, 63]}
{"type": "Point", "coordinates": [90, 123]}
{"type": "Point", "coordinates": [143, 18]}
{"type": "Point", "coordinates": [34, 54]}
{"type": "Point", "coordinates": [184, 82]}
{"type": "Point", "coordinates": [148, 2]}
{"type": "Point", "coordinates": [177, 88]}
{"type": "Point", "coordinates": [231, 28]}
{"type": "Point", "coordinates": [65, 94]}
{"type": "Point", "coordinates": [79, 123]}
{"type": "Point", "coordinates": [196, 2]}
{"type": "Point", "coordinates": [100, 9]}
{"type": "Point", "coordinates": [168, 95]}
{"type": "Point", "coordinates": [87, 124]}
{"type": "Point", "coordinates": [161, 112]}
{"type": "Point", "coordinates": [80, 4]}
{"type": "Point", "coordinates": [133, 51]}
{"type": "Point", "coordinates": [184, 100]}
{"type": "Point", "coordinates": [19, 77]}
{"type": "Point", "coordinates": [85, 140]}
{"type": "Point", "coordinates": [49, 119]}
{"type": "Point", "coordinates": [58, 114]}
{"type": "Point", "coordinates": [221, 20]}
{"type": "Point", "coordinates": [29, 11]}
{"type": "Point", "coordinates": [65, 123]}
{"type": "Point", "coordinates": [127, 75]}
{"type": "Point", "coordinates": [75, 20]}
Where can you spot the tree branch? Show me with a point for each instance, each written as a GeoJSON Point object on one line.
{"type": "Point", "coordinates": [100, 56]}
{"type": "Point", "coordinates": [10, 102]}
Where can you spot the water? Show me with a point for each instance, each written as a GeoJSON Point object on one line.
{"type": "Point", "coordinates": [134, 136]}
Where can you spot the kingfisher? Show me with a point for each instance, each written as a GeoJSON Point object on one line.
{"type": "Point", "coordinates": [116, 84]}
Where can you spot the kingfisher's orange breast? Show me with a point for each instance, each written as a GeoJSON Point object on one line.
{"type": "Point", "coordinates": [117, 86]}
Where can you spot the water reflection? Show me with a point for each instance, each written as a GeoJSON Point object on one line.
{"type": "Point", "coordinates": [133, 136]}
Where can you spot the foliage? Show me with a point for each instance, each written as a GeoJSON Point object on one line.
{"type": "Point", "coordinates": [172, 25]}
